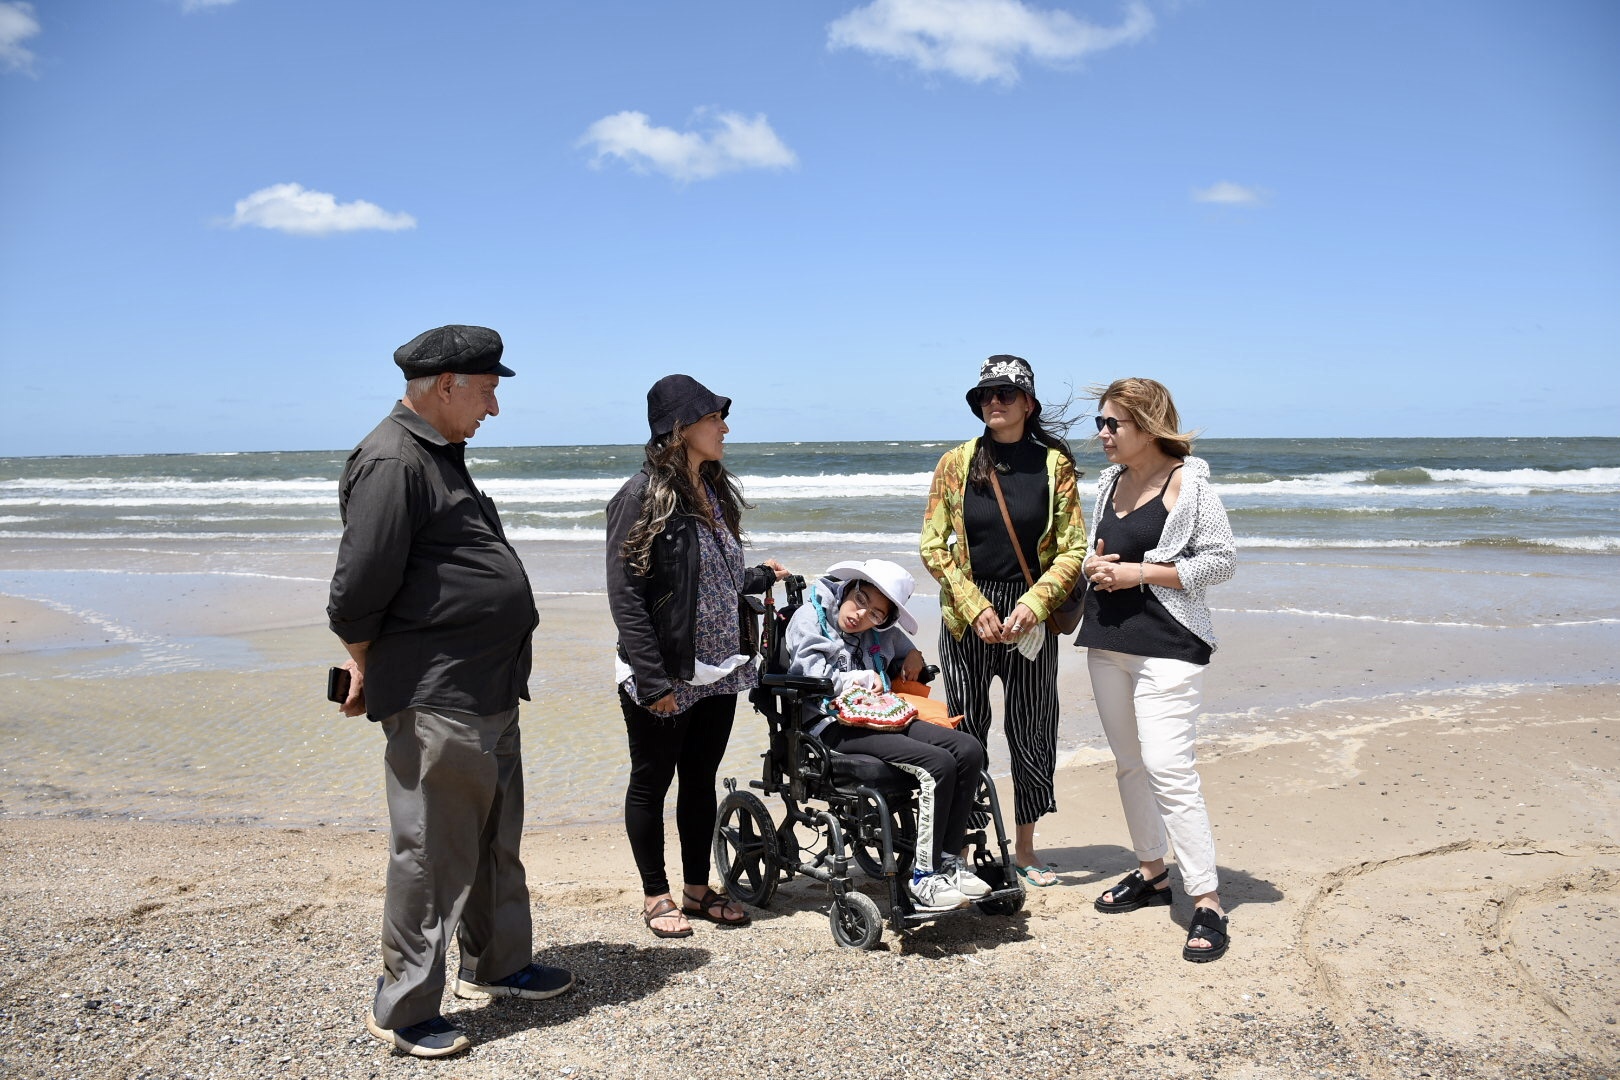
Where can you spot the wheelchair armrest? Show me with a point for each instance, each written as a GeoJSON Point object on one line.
{"type": "Point", "coordinates": [928, 674]}
{"type": "Point", "coordinates": [804, 684]}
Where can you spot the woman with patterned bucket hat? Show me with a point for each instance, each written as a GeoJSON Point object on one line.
{"type": "Point", "coordinates": [1004, 537]}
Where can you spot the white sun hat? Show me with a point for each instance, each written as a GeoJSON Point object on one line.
{"type": "Point", "coordinates": [890, 579]}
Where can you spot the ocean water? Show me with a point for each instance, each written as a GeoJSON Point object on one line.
{"type": "Point", "coordinates": [1530, 495]}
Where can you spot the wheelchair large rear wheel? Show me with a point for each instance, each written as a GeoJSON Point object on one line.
{"type": "Point", "coordinates": [745, 849]}
{"type": "Point", "coordinates": [856, 923]}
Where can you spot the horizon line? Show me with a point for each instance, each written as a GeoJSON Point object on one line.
{"type": "Point", "coordinates": [952, 441]}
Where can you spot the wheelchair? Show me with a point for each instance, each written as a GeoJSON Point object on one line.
{"type": "Point", "coordinates": [856, 810]}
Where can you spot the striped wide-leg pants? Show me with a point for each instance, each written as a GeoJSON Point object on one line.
{"type": "Point", "coordinates": [1030, 705]}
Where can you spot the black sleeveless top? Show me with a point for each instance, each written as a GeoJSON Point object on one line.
{"type": "Point", "coordinates": [1134, 620]}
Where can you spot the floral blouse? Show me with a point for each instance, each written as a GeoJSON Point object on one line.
{"type": "Point", "coordinates": [717, 635]}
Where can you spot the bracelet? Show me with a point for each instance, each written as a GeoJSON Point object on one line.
{"type": "Point", "coordinates": [1141, 577]}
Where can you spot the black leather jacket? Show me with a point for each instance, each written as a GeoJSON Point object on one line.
{"type": "Point", "coordinates": [656, 615]}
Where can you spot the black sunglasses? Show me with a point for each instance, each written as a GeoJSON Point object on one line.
{"type": "Point", "coordinates": [1110, 422]}
{"type": "Point", "coordinates": [1004, 394]}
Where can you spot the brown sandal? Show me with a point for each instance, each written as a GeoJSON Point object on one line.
{"type": "Point", "coordinates": [706, 905]}
{"type": "Point", "coordinates": [659, 910]}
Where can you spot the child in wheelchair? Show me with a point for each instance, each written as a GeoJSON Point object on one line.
{"type": "Point", "coordinates": [853, 630]}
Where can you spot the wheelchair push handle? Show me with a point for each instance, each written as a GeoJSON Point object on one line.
{"type": "Point", "coordinates": [794, 584]}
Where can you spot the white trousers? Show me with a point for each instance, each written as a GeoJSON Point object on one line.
{"type": "Point", "coordinates": [1149, 709]}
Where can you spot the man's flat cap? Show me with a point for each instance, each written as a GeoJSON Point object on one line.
{"type": "Point", "coordinates": [460, 350]}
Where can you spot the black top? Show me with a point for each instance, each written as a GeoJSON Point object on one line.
{"type": "Point", "coordinates": [1134, 620]}
{"type": "Point", "coordinates": [1022, 472]}
{"type": "Point", "coordinates": [425, 573]}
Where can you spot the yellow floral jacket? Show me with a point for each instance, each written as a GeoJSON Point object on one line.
{"type": "Point", "coordinates": [945, 550]}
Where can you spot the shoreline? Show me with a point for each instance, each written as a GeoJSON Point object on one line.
{"type": "Point", "coordinates": [1436, 892]}
{"type": "Point", "coordinates": [188, 685]}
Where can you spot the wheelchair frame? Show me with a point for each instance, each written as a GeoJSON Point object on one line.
{"type": "Point", "coordinates": [872, 824]}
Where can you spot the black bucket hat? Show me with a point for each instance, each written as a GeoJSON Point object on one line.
{"type": "Point", "coordinates": [1003, 370]}
{"type": "Point", "coordinates": [680, 400]}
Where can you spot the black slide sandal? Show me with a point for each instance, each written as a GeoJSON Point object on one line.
{"type": "Point", "coordinates": [1133, 892]}
{"type": "Point", "coordinates": [1212, 928]}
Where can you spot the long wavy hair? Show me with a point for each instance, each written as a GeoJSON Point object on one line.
{"type": "Point", "coordinates": [670, 492]}
{"type": "Point", "coordinates": [1048, 425]}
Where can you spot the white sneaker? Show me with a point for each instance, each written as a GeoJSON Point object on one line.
{"type": "Point", "coordinates": [967, 883]}
{"type": "Point", "coordinates": [934, 892]}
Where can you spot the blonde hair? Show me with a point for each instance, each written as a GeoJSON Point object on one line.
{"type": "Point", "coordinates": [1151, 408]}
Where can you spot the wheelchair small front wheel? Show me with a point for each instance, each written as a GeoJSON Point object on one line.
{"type": "Point", "coordinates": [745, 849]}
{"type": "Point", "coordinates": [855, 921]}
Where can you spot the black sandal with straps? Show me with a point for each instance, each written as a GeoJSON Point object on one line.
{"type": "Point", "coordinates": [1209, 927]}
{"type": "Point", "coordinates": [1134, 892]}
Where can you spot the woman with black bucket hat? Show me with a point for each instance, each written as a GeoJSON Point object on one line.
{"type": "Point", "coordinates": [1016, 480]}
{"type": "Point", "coordinates": [675, 584]}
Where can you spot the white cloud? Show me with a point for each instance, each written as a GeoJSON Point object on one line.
{"type": "Point", "coordinates": [188, 6]}
{"type": "Point", "coordinates": [292, 208]}
{"type": "Point", "coordinates": [734, 142]}
{"type": "Point", "coordinates": [980, 40]}
{"type": "Point", "coordinates": [17, 25]}
{"type": "Point", "coordinates": [1230, 194]}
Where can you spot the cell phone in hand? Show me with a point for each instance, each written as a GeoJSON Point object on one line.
{"type": "Point", "coordinates": [337, 684]}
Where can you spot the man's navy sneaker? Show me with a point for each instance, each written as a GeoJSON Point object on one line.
{"type": "Point", "coordinates": [535, 982]}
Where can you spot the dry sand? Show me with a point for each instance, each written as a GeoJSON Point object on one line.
{"type": "Point", "coordinates": [1429, 889]}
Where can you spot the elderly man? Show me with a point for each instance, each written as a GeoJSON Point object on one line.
{"type": "Point", "coordinates": [435, 610]}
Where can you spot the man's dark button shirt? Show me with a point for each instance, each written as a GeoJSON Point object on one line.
{"type": "Point", "coordinates": [425, 573]}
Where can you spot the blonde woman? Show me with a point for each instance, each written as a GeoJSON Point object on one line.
{"type": "Point", "coordinates": [1162, 539]}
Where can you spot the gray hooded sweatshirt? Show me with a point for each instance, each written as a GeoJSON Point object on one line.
{"type": "Point", "coordinates": [827, 652]}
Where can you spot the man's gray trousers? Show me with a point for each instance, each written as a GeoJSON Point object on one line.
{"type": "Point", "coordinates": [455, 811]}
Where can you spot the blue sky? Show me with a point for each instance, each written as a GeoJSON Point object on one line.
{"type": "Point", "coordinates": [217, 220]}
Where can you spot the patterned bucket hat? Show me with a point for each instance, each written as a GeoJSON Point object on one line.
{"type": "Point", "coordinates": [1003, 370]}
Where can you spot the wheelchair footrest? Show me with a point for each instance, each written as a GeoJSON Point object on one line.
{"type": "Point", "coordinates": [915, 918]}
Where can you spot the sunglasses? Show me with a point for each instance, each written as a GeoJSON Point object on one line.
{"type": "Point", "coordinates": [1110, 422]}
{"type": "Point", "coordinates": [1004, 394]}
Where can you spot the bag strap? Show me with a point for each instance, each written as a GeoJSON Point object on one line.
{"type": "Point", "coordinates": [1012, 534]}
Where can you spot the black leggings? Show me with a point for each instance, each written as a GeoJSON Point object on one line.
{"type": "Point", "coordinates": [691, 743]}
